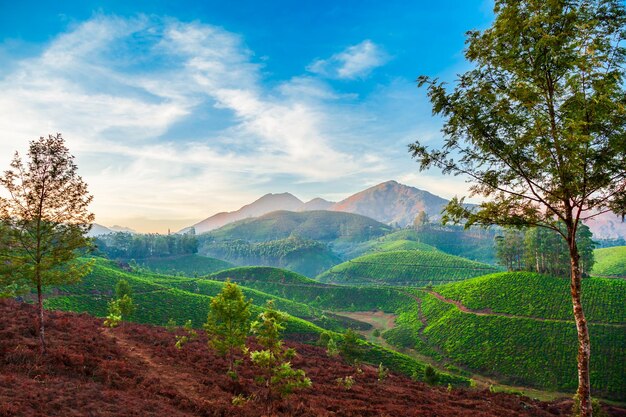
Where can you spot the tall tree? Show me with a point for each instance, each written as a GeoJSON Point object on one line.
{"type": "Point", "coordinates": [228, 322]}
{"type": "Point", "coordinates": [538, 126]}
{"type": "Point", "coordinates": [46, 218]}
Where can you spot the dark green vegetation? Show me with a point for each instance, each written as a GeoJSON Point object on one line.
{"type": "Point", "coordinates": [298, 288]}
{"type": "Point", "coordinates": [543, 250]}
{"type": "Point", "coordinates": [43, 220]}
{"type": "Point", "coordinates": [308, 257]}
{"type": "Point", "coordinates": [475, 244]}
{"type": "Point", "coordinates": [610, 262]}
{"type": "Point", "coordinates": [189, 265]}
{"type": "Point", "coordinates": [407, 268]}
{"type": "Point", "coordinates": [121, 245]}
{"type": "Point", "coordinates": [521, 330]}
{"type": "Point", "coordinates": [325, 226]}
{"type": "Point", "coordinates": [159, 298]}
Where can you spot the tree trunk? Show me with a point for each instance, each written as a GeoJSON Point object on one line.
{"type": "Point", "coordinates": [584, 346]}
{"type": "Point", "coordinates": [42, 339]}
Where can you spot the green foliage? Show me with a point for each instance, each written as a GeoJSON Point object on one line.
{"type": "Point", "coordinates": [44, 221]}
{"type": "Point", "coordinates": [351, 346]}
{"type": "Point", "coordinates": [610, 262]}
{"type": "Point", "coordinates": [277, 375]}
{"type": "Point", "coordinates": [114, 316]}
{"type": "Point", "coordinates": [324, 226]}
{"type": "Point", "coordinates": [408, 268]}
{"type": "Point", "coordinates": [122, 245]}
{"type": "Point", "coordinates": [534, 295]}
{"type": "Point", "coordinates": [332, 350]}
{"type": "Point", "coordinates": [383, 372]}
{"type": "Point", "coordinates": [305, 256]}
{"type": "Point", "coordinates": [124, 298]}
{"type": "Point", "coordinates": [189, 265]}
{"type": "Point", "coordinates": [346, 382]}
{"type": "Point", "coordinates": [227, 323]}
{"type": "Point", "coordinates": [289, 285]}
{"type": "Point", "coordinates": [431, 376]}
{"type": "Point", "coordinates": [188, 335]}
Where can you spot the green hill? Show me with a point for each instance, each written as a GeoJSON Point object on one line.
{"type": "Point", "coordinates": [189, 265]}
{"type": "Point", "coordinates": [534, 295]}
{"type": "Point", "coordinates": [324, 226]}
{"type": "Point", "coordinates": [409, 268]}
{"type": "Point", "coordinates": [610, 262]}
{"type": "Point", "coordinates": [299, 288]}
{"type": "Point", "coordinates": [518, 330]}
{"type": "Point", "coordinates": [305, 256]}
{"type": "Point", "coordinates": [160, 298]}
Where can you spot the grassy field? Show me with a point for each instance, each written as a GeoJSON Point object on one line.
{"type": "Point", "coordinates": [610, 262]}
{"type": "Point", "coordinates": [414, 268]}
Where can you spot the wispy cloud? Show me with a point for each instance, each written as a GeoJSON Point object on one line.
{"type": "Point", "coordinates": [356, 61]}
{"type": "Point", "coordinates": [119, 109]}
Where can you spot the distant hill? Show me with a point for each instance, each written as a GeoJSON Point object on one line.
{"type": "Point", "coordinates": [392, 203]}
{"type": "Point", "coordinates": [98, 229]}
{"type": "Point", "coordinates": [266, 204]}
{"type": "Point", "coordinates": [305, 256]}
{"type": "Point", "coordinates": [324, 226]}
{"type": "Point", "coordinates": [415, 268]}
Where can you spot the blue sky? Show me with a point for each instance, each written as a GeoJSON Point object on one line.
{"type": "Point", "coordinates": [178, 110]}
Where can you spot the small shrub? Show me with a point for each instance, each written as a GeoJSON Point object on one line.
{"type": "Point", "coordinates": [431, 376]}
{"type": "Point", "coordinates": [383, 372]}
{"type": "Point", "coordinates": [346, 382]}
{"type": "Point", "coordinates": [190, 334]}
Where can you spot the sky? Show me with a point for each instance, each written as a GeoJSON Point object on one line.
{"type": "Point", "coordinates": [178, 110]}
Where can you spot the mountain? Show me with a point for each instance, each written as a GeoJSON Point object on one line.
{"type": "Point", "coordinates": [124, 229]}
{"type": "Point", "coordinates": [391, 202]}
{"type": "Point", "coordinates": [98, 229]}
{"type": "Point", "coordinates": [317, 204]}
{"type": "Point", "coordinates": [321, 225]}
{"type": "Point", "coordinates": [266, 204]}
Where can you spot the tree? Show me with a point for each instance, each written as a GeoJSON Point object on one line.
{"type": "Point", "coordinates": [278, 377]}
{"type": "Point", "coordinates": [228, 321]}
{"type": "Point", "coordinates": [47, 218]}
{"type": "Point", "coordinates": [421, 220]}
{"type": "Point", "coordinates": [538, 126]}
{"type": "Point", "coordinates": [510, 249]}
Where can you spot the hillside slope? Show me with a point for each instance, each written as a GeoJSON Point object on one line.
{"type": "Point", "coordinates": [518, 328]}
{"type": "Point", "coordinates": [416, 268]}
{"type": "Point", "coordinates": [610, 262]}
{"type": "Point", "coordinates": [135, 370]}
{"type": "Point", "coordinates": [319, 225]}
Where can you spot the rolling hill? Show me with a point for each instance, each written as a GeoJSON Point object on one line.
{"type": "Point", "coordinates": [324, 226]}
{"type": "Point", "coordinates": [417, 268]}
{"type": "Point", "coordinates": [518, 328]}
{"type": "Point", "coordinates": [190, 264]}
{"type": "Point", "coordinates": [610, 262]}
{"type": "Point", "coordinates": [308, 257]}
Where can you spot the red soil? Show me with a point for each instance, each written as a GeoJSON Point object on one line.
{"type": "Point", "coordinates": [135, 370]}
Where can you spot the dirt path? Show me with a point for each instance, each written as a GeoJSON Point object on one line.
{"type": "Point", "coordinates": [489, 312]}
{"type": "Point", "coordinates": [185, 384]}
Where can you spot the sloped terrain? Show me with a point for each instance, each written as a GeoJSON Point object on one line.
{"type": "Point", "coordinates": [135, 370]}
{"type": "Point", "coordinates": [610, 262]}
{"type": "Point", "coordinates": [415, 268]}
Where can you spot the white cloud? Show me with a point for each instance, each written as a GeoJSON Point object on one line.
{"type": "Point", "coordinates": [117, 112]}
{"type": "Point", "coordinates": [356, 61]}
